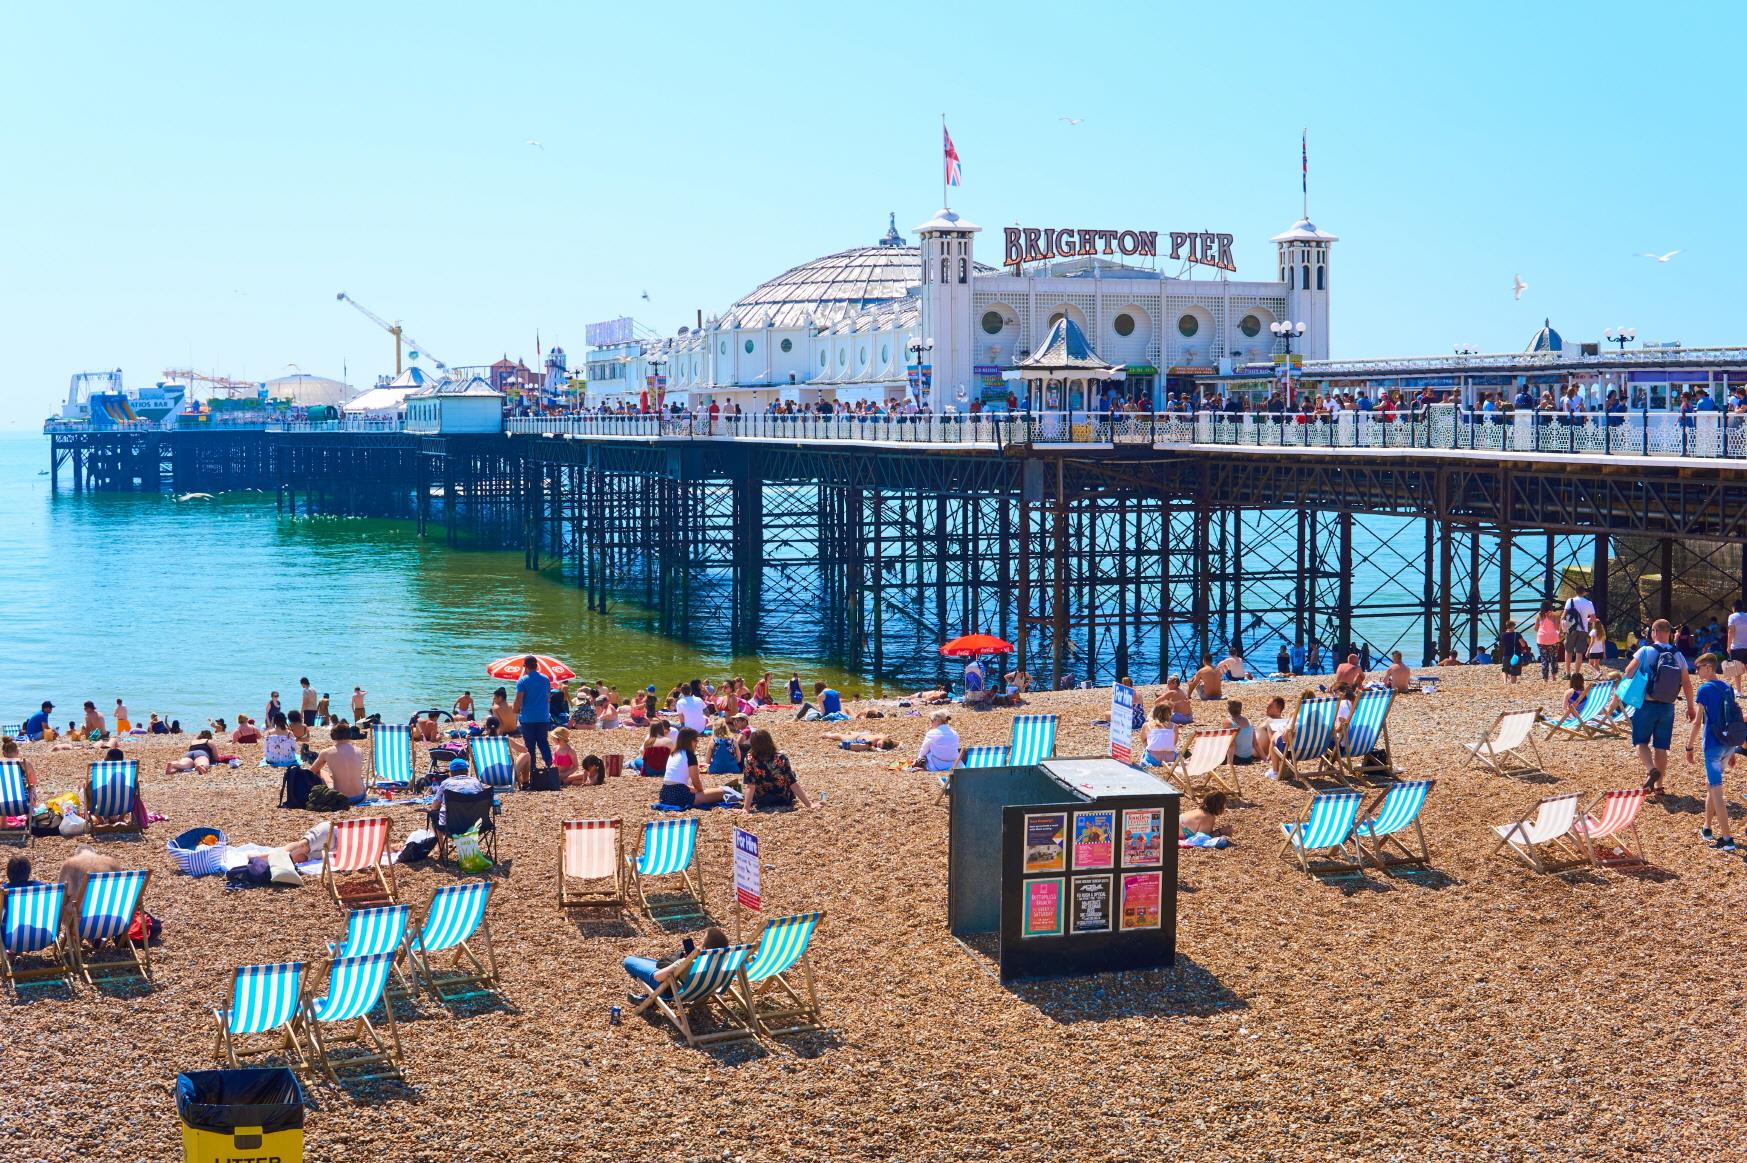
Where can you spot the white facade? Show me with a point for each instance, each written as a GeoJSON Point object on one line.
{"type": "Point", "coordinates": [452, 409]}
{"type": "Point", "coordinates": [843, 327]}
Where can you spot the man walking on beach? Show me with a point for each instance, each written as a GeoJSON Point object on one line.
{"type": "Point", "coordinates": [1738, 639]}
{"type": "Point", "coordinates": [534, 708]}
{"type": "Point", "coordinates": [1578, 611]}
{"type": "Point", "coordinates": [1653, 723]}
{"type": "Point", "coordinates": [310, 701]}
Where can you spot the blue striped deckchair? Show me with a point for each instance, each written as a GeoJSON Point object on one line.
{"type": "Point", "coordinates": [1322, 841]}
{"type": "Point", "coordinates": [1390, 816]}
{"type": "Point", "coordinates": [109, 796]}
{"type": "Point", "coordinates": [355, 987]}
{"type": "Point", "coordinates": [1313, 733]}
{"type": "Point", "coordinates": [379, 930]}
{"type": "Point", "coordinates": [772, 1002]}
{"type": "Point", "coordinates": [14, 799]}
{"type": "Point", "coordinates": [493, 764]}
{"type": "Point", "coordinates": [1363, 751]}
{"type": "Point", "coordinates": [106, 914]}
{"type": "Point", "coordinates": [265, 1000]}
{"type": "Point", "coordinates": [1591, 720]}
{"type": "Point", "coordinates": [1033, 739]}
{"type": "Point", "coordinates": [670, 848]}
{"type": "Point", "coordinates": [993, 756]}
{"type": "Point", "coordinates": [391, 754]}
{"type": "Point", "coordinates": [712, 977]}
{"type": "Point", "coordinates": [35, 926]}
{"type": "Point", "coordinates": [456, 920]}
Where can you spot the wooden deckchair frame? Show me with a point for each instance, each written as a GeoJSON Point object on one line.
{"type": "Point", "coordinates": [1324, 865]}
{"type": "Point", "coordinates": [799, 1013]}
{"type": "Point", "coordinates": [614, 897]}
{"type": "Point", "coordinates": [361, 1031]}
{"type": "Point", "coordinates": [62, 962]}
{"type": "Point", "coordinates": [1355, 769]}
{"type": "Point", "coordinates": [133, 956]}
{"type": "Point", "coordinates": [725, 1005]}
{"type": "Point", "coordinates": [133, 824]}
{"type": "Point", "coordinates": [692, 875]}
{"type": "Point", "coordinates": [1309, 767]}
{"type": "Point", "coordinates": [22, 832]}
{"type": "Point", "coordinates": [1531, 854]}
{"type": "Point", "coordinates": [1375, 847]}
{"type": "Point", "coordinates": [480, 975]}
{"type": "Point", "coordinates": [1222, 775]}
{"type": "Point", "coordinates": [226, 1049]}
{"type": "Point", "coordinates": [1632, 854]}
{"type": "Point", "coordinates": [379, 872]}
{"type": "Point", "coordinates": [1598, 727]}
{"type": "Point", "coordinates": [1509, 762]}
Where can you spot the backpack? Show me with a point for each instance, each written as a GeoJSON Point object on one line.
{"type": "Point", "coordinates": [1665, 672]}
{"type": "Point", "coordinates": [322, 798]}
{"type": "Point", "coordinates": [1574, 616]}
{"type": "Point", "coordinates": [294, 787]}
{"type": "Point", "coordinates": [1731, 727]}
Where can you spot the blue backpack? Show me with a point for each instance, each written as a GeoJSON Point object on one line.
{"type": "Point", "coordinates": [1731, 727]}
{"type": "Point", "coordinates": [1665, 672]}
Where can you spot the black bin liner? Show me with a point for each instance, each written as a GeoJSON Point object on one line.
{"type": "Point", "coordinates": [219, 1101]}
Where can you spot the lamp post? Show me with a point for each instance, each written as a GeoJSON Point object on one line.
{"type": "Point", "coordinates": [1622, 336]}
{"type": "Point", "coordinates": [1286, 330]}
{"type": "Point", "coordinates": [918, 348]}
{"type": "Point", "coordinates": [656, 392]}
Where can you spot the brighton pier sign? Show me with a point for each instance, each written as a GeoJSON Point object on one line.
{"type": "Point", "coordinates": [1028, 244]}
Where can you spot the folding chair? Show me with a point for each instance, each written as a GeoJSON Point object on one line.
{"type": "Point", "coordinates": [109, 793]}
{"type": "Point", "coordinates": [456, 920]}
{"type": "Point", "coordinates": [106, 914]}
{"type": "Point", "coordinates": [14, 800]}
{"type": "Point", "coordinates": [35, 925]}
{"type": "Point", "coordinates": [391, 755]}
{"type": "Point", "coordinates": [592, 850]}
{"type": "Point", "coordinates": [265, 1000]}
{"type": "Point", "coordinates": [1549, 830]}
{"type": "Point", "coordinates": [1590, 721]}
{"type": "Point", "coordinates": [379, 930]}
{"type": "Point", "coordinates": [1508, 746]}
{"type": "Point", "coordinates": [1202, 760]}
{"type": "Point", "coordinates": [774, 1004]}
{"type": "Point", "coordinates": [462, 811]}
{"type": "Point", "coordinates": [1033, 739]}
{"type": "Point", "coordinates": [987, 756]}
{"type": "Point", "coordinates": [709, 981]}
{"type": "Point", "coordinates": [1313, 733]}
{"type": "Point", "coordinates": [670, 848]}
{"type": "Point", "coordinates": [355, 986]}
{"type": "Point", "coordinates": [1612, 840]}
{"type": "Point", "coordinates": [1364, 750]}
{"type": "Point", "coordinates": [1321, 841]}
{"type": "Point", "coordinates": [493, 763]}
{"type": "Point", "coordinates": [358, 848]}
{"type": "Point", "coordinates": [1389, 817]}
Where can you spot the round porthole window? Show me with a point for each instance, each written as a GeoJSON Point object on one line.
{"type": "Point", "coordinates": [749, 347]}
{"type": "Point", "coordinates": [1124, 324]}
{"type": "Point", "coordinates": [1188, 325]}
{"type": "Point", "coordinates": [885, 354]}
{"type": "Point", "coordinates": [724, 347]}
{"type": "Point", "coordinates": [1251, 326]}
{"type": "Point", "coordinates": [788, 345]}
{"type": "Point", "coordinates": [821, 359]}
{"type": "Point", "coordinates": [861, 356]}
{"type": "Point", "coordinates": [842, 356]}
{"type": "Point", "coordinates": [992, 322]}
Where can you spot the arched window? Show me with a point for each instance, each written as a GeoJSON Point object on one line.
{"type": "Point", "coordinates": [946, 271]}
{"type": "Point", "coordinates": [964, 269]}
{"type": "Point", "coordinates": [1321, 279]}
{"type": "Point", "coordinates": [1306, 277]}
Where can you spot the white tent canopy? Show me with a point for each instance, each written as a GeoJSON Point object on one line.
{"type": "Point", "coordinates": [386, 401]}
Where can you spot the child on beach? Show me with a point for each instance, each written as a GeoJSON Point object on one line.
{"type": "Point", "coordinates": [724, 751]}
{"type": "Point", "coordinates": [1161, 736]}
{"type": "Point", "coordinates": [1574, 696]}
{"type": "Point", "coordinates": [564, 757]}
{"type": "Point", "coordinates": [1243, 748]}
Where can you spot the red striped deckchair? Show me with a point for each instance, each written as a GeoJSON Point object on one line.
{"type": "Point", "coordinates": [358, 848]}
{"type": "Point", "coordinates": [1612, 839]}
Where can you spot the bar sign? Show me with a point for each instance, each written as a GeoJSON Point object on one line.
{"type": "Point", "coordinates": [747, 873]}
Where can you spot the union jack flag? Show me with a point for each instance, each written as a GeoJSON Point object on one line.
{"type": "Point", "coordinates": [954, 173]}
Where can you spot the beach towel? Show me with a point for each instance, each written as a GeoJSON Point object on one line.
{"type": "Point", "coordinates": [1203, 840]}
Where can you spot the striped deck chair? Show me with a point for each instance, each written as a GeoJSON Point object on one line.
{"type": "Point", "coordinates": [986, 756]}
{"type": "Point", "coordinates": [1321, 842]}
{"type": "Point", "coordinates": [106, 914]}
{"type": "Point", "coordinates": [592, 851]}
{"type": "Point", "coordinates": [109, 794]}
{"type": "Point", "coordinates": [456, 921]}
{"type": "Point", "coordinates": [1205, 762]}
{"type": "Point", "coordinates": [265, 1000]}
{"type": "Point", "coordinates": [1590, 721]}
{"type": "Point", "coordinates": [773, 1002]}
{"type": "Point", "coordinates": [356, 849]}
{"type": "Point", "coordinates": [14, 800]}
{"type": "Point", "coordinates": [35, 926]}
{"type": "Point", "coordinates": [1313, 733]}
{"type": "Point", "coordinates": [1363, 751]}
{"type": "Point", "coordinates": [391, 755]}
{"type": "Point", "coordinates": [1508, 746]}
{"type": "Point", "coordinates": [1547, 833]}
{"type": "Point", "coordinates": [1612, 839]}
{"type": "Point", "coordinates": [355, 986]}
{"type": "Point", "coordinates": [1033, 739]}
{"type": "Point", "coordinates": [709, 981]}
{"type": "Point", "coordinates": [493, 764]}
{"type": "Point", "coordinates": [670, 848]}
{"type": "Point", "coordinates": [1387, 822]}
{"type": "Point", "coordinates": [379, 930]}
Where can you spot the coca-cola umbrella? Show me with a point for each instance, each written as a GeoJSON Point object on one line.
{"type": "Point", "coordinates": [975, 644]}
{"type": "Point", "coordinates": [509, 668]}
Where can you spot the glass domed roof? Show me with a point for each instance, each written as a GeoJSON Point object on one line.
{"type": "Point", "coordinates": [831, 287]}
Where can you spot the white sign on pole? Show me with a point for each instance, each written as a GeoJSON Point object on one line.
{"type": "Point", "coordinates": [748, 875]}
{"type": "Point", "coordinates": [1122, 723]}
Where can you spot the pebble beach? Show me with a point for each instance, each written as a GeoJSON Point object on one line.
{"type": "Point", "coordinates": [1482, 1011]}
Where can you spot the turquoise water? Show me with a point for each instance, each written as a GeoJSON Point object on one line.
{"type": "Point", "coordinates": [199, 609]}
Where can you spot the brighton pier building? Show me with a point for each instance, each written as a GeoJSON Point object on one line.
{"type": "Point", "coordinates": [935, 323]}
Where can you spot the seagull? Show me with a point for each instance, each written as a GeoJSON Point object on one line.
{"type": "Point", "coordinates": [535, 144]}
{"type": "Point", "coordinates": [1518, 285]}
{"type": "Point", "coordinates": [1659, 257]}
{"type": "Point", "coordinates": [1071, 120]}
{"type": "Point", "coordinates": [645, 295]}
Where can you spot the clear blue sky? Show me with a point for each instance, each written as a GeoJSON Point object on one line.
{"type": "Point", "coordinates": [194, 183]}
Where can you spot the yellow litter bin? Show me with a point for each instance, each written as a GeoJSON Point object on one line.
{"type": "Point", "coordinates": [240, 1116]}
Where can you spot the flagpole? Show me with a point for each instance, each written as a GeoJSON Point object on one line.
{"type": "Point", "coordinates": [944, 204]}
{"type": "Point", "coordinates": [1304, 145]}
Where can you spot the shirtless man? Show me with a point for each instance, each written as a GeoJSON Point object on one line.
{"type": "Point", "coordinates": [1234, 667]}
{"type": "Point", "coordinates": [1399, 676]}
{"type": "Point", "coordinates": [1207, 680]}
{"type": "Point", "coordinates": [341, 766]}
{"type": "Point", "coordinates": [1177, 699]}
{"type": "Point", "coordinates": [504, 712]}
{"type": "Point", "coordinates": [427, 730]}
{"type": "Point", "coordinates": [1349, 673]}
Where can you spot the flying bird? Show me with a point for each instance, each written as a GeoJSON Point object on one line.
{"type": "Point", "coordinates": [646, 295]}
{"type": "Point", "coordinates": [1518, 285]}
{"type": "Point", "coordinates": [535, 144]}
{"type": "Point", "coordinates": [1071, 120]}
{"type": "Point", "coordinates": [1659, 257]}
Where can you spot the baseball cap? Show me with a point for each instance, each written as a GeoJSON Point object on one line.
{"type": "Point", "coordinates": [457, 765]}
{"type": "Point", "coordinates": [650, 688]}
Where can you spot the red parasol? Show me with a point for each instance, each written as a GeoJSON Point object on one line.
{"type": "Point", "coordinates": [510, 668]}
{"type": "Point", "coordinates": [972, 644]}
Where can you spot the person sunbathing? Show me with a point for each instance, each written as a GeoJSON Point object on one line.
{"type": "Point", "coordinates": [862, 742]}
{"type": "Point", "coordinates": [606, 715]}
{"type": "Point", "coordinates": [1177, 699]}
{"type": "Point", "coordinates": [341, 766]}
{"type": "Point", "coordinates": [1399, 676]}
{"type": "Point", "coordinates": [653, 973]}
{"type": "Point", "coordinates": [200, 756]}
{"type": "Point", "coordinates": [1204, 819]}
{"type": "Point", "coordinates": [1161, 736]}
{"type": "Point", "coordinates": [935, 695]}
{"type": "Point", "coordinates": [9, 751]}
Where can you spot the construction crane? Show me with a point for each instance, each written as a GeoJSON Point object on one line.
{"type": "Point", "coordinates": [393, 329]}
{"type": "Point", "coordinates": [223, 383]}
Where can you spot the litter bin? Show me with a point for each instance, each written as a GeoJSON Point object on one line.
{"type": "Point", "coordinates": [240, 1114]}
